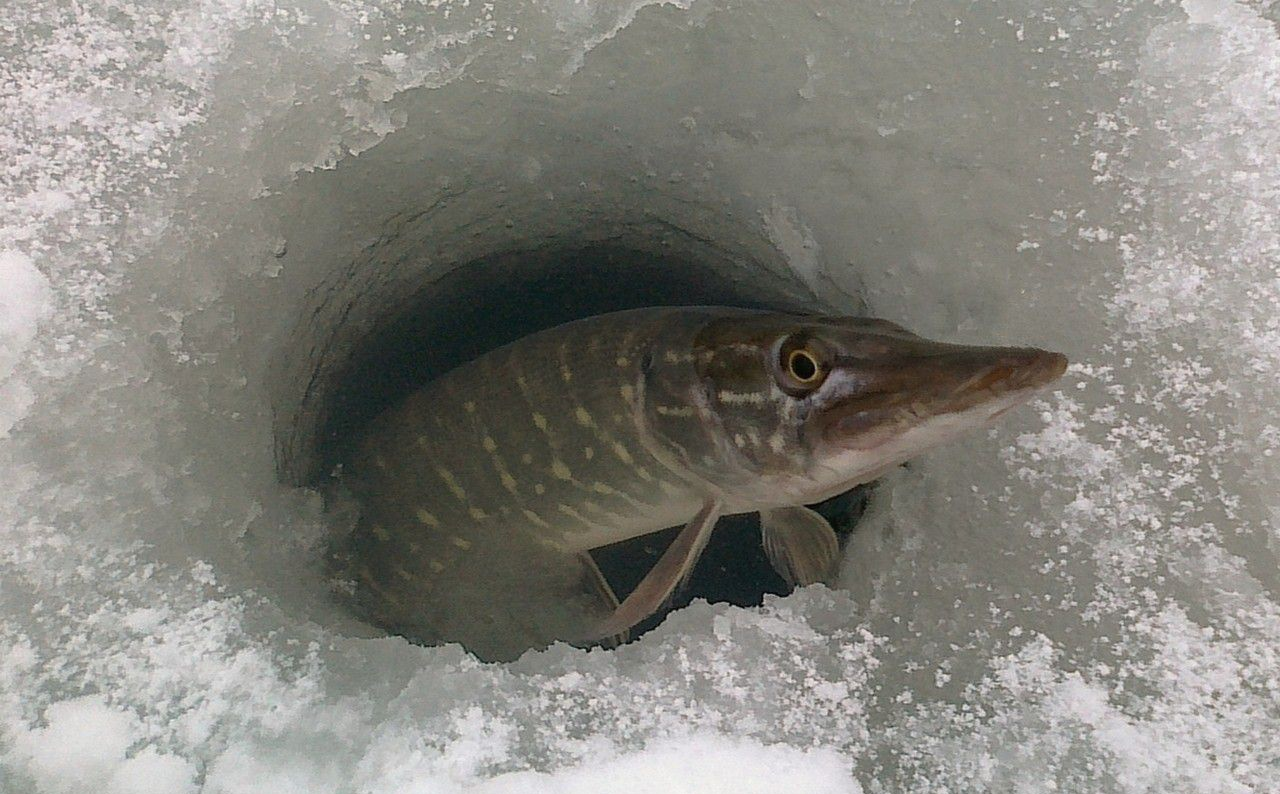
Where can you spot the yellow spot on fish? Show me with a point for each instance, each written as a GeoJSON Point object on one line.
{"type": "Point", "coordinates": [380, 532]}
{"type": "Point", "coordinates": [461, 543]}
{"type": "Point", "coordinates": [621, 451]}
{"type": "Point", "coordinates": [526, 459]}
{"type": "Point", "coordinates": [644, 473]}
{"type": "Point", "coordinates": [574, 514]}
{"type": "Point", "coordinates": [540, 421]}
{"type": "Point", "coordinates": [566, 373]}
{"type": "Point", "coordinates": [742, 397]}
{"type": "Point", "coordinates": [627, 392]}
{"type": "Point", "coordinates": [427, 518]}
{"type": "Point", "coordinates": [469, 406]}
{"type": "Point", "coordinates": [508, 481]}
{"type": "Point", "coordinates": [423, 442]}
{"type": "Point", "coordinates": [622, 361]}
{"type": "Point", "coordinates": [539, 489]}
{"type": "Point", "coordinates": [604, 488]}
{"type": "Point", "coordinates": [536, 519]}
{"type": "Point", "coordinates": [583, 417]}
{"type": "Point", "coordinates": [588, 453]}
{"type": "Point", "coordinates": [436, 565]}
{"type": "Point", "coordinates": [454, 487]}
{"type": "Point", "coordinates": [560, 471]}
{"type": "Point", "coordinates": [489, 444]}
{"type": "Point", "coordinates": [477, 514]}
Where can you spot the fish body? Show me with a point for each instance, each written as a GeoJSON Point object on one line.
{"type": "Point", "coordinates": [483, 491]}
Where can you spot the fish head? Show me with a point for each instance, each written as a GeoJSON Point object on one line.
{"type": "Point", "coordinates": [798, 408]}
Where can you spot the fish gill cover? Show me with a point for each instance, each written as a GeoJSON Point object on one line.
{"type": "Point", "coordinates": [1085, 600]}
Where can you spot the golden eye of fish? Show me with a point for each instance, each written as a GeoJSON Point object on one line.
{"type": "Point", "coordinates": [803, 366]}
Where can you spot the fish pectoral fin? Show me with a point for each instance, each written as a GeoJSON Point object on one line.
{"type": "Point", "coordinates": [600, 586]}
{"type": "Point", "coordinates": [800, 544]}
{"type": "Point", "coordinates": [672, 570]}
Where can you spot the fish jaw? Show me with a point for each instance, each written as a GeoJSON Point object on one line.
{"type": "Point", "coordinates": [927, 401]}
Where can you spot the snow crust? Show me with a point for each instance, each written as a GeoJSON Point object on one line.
{"type": "Point", "coordinates": [24, 301]}
{"type": "Point", "coordinates": [205, 202]}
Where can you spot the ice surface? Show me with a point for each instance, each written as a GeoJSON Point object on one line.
{"type": "Point", "coordinates": [83, 748]}
{"type": "Point", "coordinates": [206, 204]}
{"type": "Point", "coordinates": [24, 301]}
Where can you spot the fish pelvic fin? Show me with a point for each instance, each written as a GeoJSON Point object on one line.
{"type": "Point", "coordinates": [800, 544]}
{"type": "Point", "coordinates": [600, 586]}
{"type": "Point", "coordinates": [671, 571]}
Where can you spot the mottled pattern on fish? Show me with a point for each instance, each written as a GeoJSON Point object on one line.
{"type": "Point", "coordinates": [479, 492]}
{"type": "Point", "coordinates": [531, 445]}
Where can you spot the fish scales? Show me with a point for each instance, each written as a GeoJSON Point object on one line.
{"type": "Point", "coordinates": [480, 492]}
{"type": "Point", "coordinates": [534, 443]}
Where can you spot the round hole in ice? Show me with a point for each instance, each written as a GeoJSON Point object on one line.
{"type": "Point", "coordinates": [420, 253]}
{"type": "Point", "coordinates": [483, 304]}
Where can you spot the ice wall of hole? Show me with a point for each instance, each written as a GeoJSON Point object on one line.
{"type": "Point", "coordinates": [458, 238]}
{"type": "Point", "coordinates": [1091, 588]}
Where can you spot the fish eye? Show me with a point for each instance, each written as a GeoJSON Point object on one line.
{"type": "Point", "coordinates": [802, 366]}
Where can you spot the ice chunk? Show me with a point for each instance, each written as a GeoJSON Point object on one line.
{"type": "Point", "coordinates": [81, 747]}
{"type": "Point", "coordinates": [691, 764]}
{"type": "Point", "coordinates": [25, 299]}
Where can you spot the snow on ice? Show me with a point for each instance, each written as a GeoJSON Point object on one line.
{"type": "Point", "coordinates": [205, 204]}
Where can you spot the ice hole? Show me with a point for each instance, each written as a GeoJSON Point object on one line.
{"type": "Point", "coordinates": [484, 304]}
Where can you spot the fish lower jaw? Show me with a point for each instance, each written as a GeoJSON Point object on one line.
{"type": "Point", "coordinates": [847, 465]}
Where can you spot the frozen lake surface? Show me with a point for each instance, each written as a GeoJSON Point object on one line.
{"type": "Point", "coordinates": [208, 206]}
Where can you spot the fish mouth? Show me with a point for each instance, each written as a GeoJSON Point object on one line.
{"type": "Point", "coordinates": [1029, 369]}
{"type": "Point", "coordinates": [963, 387]}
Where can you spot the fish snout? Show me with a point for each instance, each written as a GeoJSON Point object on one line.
{"type": "Point", "coordinates": [1016, 369]}
{"type": "Point", "coordinates": [912, 391]}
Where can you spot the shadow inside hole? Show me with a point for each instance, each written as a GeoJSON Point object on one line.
{"type": "Point", "coordinates": [486, 304]}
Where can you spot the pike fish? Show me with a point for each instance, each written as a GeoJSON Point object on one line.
{"type": "Point", "coordinates": [624, 424]}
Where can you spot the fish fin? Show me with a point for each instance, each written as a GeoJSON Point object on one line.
{"type": "Point", "coordinates": [599, 585]}
{"type": "Point", "coordinates": [800, 544]}
{"type": "Point", "coordinates": [671, 570]}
